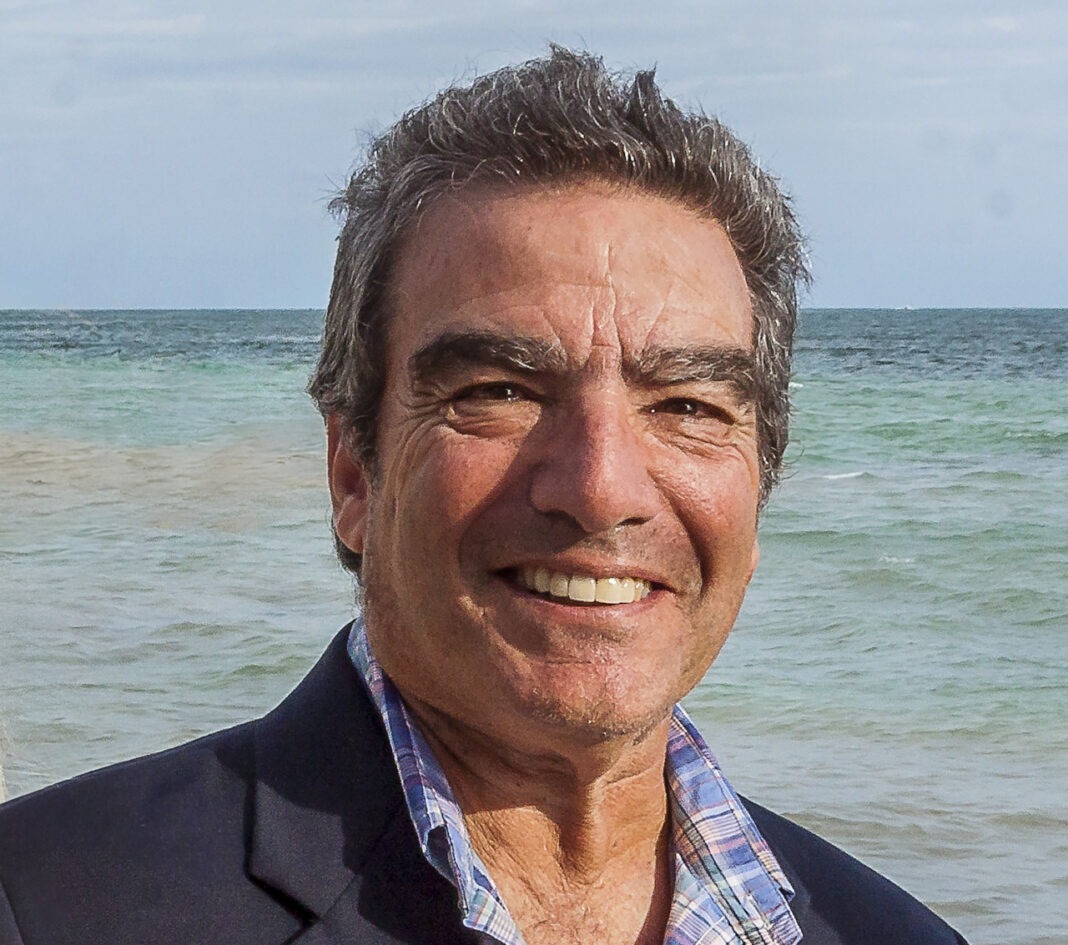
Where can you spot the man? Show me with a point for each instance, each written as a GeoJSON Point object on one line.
{"type": "Point", "coordinates": [554, 377]}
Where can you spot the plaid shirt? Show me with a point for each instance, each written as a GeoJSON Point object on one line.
{"type": "Point", "coordinates": [729, 890]}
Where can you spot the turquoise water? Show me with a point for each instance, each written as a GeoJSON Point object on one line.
{"type": "Point", "coordinates": [898, 678]}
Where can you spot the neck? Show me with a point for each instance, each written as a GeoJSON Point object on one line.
{"type": "Point", "coordinates": [577, 838]}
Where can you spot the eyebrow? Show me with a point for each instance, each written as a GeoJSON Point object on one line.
{"type": "Point", "coordinates": [716, 364]}
{"type": "Point", "coordinates": [457, 349]}
{"type": "Point", "coordinates": [656, 367]}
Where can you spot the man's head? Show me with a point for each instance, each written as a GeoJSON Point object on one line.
{"type": "Point", "coordinates": [555, 376]}
{"type": "Point", "coordinates": [554, 122]}
{"type": "Point", "coordinates": [561, 521]}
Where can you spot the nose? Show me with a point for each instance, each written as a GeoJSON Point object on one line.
{"type": "Point", "coordinates": [594, 466]}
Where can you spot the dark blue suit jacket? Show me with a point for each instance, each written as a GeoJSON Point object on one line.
{"type": "Point", "coordinates": [292, 829]}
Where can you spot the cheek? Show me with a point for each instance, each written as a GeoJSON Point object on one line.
{"type": "Point", "coordinates": [717, 503]}
{"type": "Point", "coordinates": [726, 479]}
{"type": "Point", "coordinates": [436, 487]}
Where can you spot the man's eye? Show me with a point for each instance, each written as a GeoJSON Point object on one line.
{"type": "Point", "coordinates": [493, 408]}
{"type": "Point", "coordinates": [687, 407]}
{"type": "Point", "coordinates": [498, 391]}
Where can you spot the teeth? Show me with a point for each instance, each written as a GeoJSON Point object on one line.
{"type": "Point", "coordinates": [559, 585]}
{"type": "Point", "coordinates": [609, 591]}
{"type": "Point", "coordinates": [584, 588]}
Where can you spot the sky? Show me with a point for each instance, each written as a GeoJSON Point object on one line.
{"type": "Point", "coordinates": [181, 155]}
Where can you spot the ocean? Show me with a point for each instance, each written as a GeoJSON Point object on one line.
{"type": "Point", "coordinates": [898, 678]}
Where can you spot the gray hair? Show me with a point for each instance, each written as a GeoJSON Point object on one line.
{"type": "Point", "coordinates": [554, 121]}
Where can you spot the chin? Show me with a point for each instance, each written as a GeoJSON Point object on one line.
{"type": "Point", "coordinates": [596, 721]}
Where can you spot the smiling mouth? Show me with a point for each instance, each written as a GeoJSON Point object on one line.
{"type": "Point", "coordinates": [584, 588]}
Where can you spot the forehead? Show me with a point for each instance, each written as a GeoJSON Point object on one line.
{"type": "Point", "coordinates": [586, 269]}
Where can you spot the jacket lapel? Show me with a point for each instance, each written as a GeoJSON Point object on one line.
{"type": "Point", "coordinates": [330, 830]}
{"type": "Point", "coordinates": [397, 898]}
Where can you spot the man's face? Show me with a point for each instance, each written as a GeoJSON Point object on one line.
{"type": "Point", "coordinates": [565, 404]}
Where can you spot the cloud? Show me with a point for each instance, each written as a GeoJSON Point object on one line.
{"type": "Point", "coordinates": [178, 136]}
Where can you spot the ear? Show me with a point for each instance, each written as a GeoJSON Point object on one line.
{"type": "Point", "coordinates": [754, 560]}
{"type": "Point", "coordinates": [349, 488]}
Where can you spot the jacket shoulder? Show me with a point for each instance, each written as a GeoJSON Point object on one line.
{"type": "Point", "coordinates": [108, 791]}
{"type": "Point", "coordinates": [118, 848]}
{"type": "Point", "coordinates": [840, 901]}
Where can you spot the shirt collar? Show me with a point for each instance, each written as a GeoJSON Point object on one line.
{"type": "Point", "coordinates": [719, 843]}
{"type": "Point", "coordinates": [728, 885]}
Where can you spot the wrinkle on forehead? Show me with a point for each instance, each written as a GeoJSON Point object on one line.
{"type": "Point", "coordinates": [605, 331]}
{"type": "Point", "coordinates": [597, 271]}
